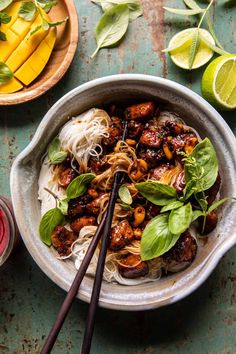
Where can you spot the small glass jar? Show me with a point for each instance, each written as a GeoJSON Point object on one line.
{"type": "Point", "coordinates": [9, 234]}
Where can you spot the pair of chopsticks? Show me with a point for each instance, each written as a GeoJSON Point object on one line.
{"type": "Point", "coordinates": [103, 229]}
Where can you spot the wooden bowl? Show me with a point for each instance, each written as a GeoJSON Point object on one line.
{"type": "Point", "coordinates": [60, 59]}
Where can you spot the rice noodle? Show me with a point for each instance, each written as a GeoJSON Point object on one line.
{"type": "Point", "coordinates": [82, 135]}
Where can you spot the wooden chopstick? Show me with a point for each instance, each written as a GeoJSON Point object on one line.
{"type": "Point", "coordinates": [73, 290]}
{"type": "Point", "coordinates": [86, 345]}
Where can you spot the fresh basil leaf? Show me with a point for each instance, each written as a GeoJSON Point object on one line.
{"type": "Point", "coordinates": [49, 221]}
{"type": "Point", "coordinates": [184, 12]}
{"type": "Point", "coordinates": [135, 7]}
{"type": "Point", "coordinates": [27, 11]}
{"type": "Point", "coordinates": [2, 36]}
{"type": "Point", "coordinates": [125, 195]}
{"type": "Point", "coordinates": [180, 219]}
{"type": "Point", "coordinates": [157, 239]}
{"type": "Point", "coordinates": [4, 18]}
{"type": "Point", "coordinates": [217, 204]}
{"type": "Point", "coordinates": [112, 26]}
{"type": "Point", "coordinates": [157, 193]}
{"type": "Point", "coordinates": [63, 206]}
{"type": "Point", "coordinates": [79, 185]}
{"type": "Point", "coordinates": [171, 206]}
{"type": "Point", "coordinates": [193, 48]}
{"type": "Point", "coordinates": [126, 206]}
{"type": "Point", "coordinates": [192, 4]}
{"type": "Point", "coordinates": [46, 4]}
{"type": "Point", "coordinates": [5, 73]}
{"type": "Point", "coordinates": [201, 166]}
{"type": "Point", "coordinates": [55, 154]}
{"type": "Point", "coordinates": [4, 4]}
{"type": "Point", "coordinates": [196, 214]}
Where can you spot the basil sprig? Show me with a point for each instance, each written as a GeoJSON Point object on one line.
{"type": "Point", "coordinates": [201, 170]}
{"type": "Point", "coordinates": [55, 153]}
{"type": "Point", "coordinates": [5, 73]}
{"type": "Point", "coordinates": [157, 238]}
{"type": "Point", "coordinates": [56, 216]}
{"type": "Point", "coordinates": [135, 8]}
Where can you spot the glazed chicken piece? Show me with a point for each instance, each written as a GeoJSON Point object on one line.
{"type": "Point", "coordinates": [211, 222]}
{"type": "Point", "coordinates": [76, 207]}
{"type": "Point", "coordinates": [151, 138]}
{"type": "Point", "coordinates": [94, 206]}
{"type": "Point", "coordinates": [115, 132]}
{"type": "Point", "coordinates": [135, 129]}
{"type": "Point", "coordinates": [132, 267]}
{"type": "Point", "coordinates": [140, 111]}
{"type": "Point", "coordinates": [184, 250]}
{"type": "Point", "coordinates": [152, 156]}
{"type": "Point", "coordinates": [212, 192]}
{"type": "Point", "coordinates": [121, 235]}
{"type": "Point", "coordinates": [62, 240]}
{"type": "Point", "coordinates": [66, 177]}
{"type": "Point", "coordinates": [79, 223]}
{"type": "Point", "coordinates": [159, 171]}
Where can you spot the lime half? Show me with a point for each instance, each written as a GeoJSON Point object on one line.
{"type": "Point", "coordinates": [219, 82]}
{"type": "Point", "coordinates": [181, 44]}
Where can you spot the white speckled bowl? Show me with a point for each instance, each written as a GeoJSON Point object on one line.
{"type": "Point", "coordinates": [197, 113]}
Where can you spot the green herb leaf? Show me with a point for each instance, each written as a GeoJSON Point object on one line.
{"type": "Point", "coordinates": [212, 46]}
{"type": "Point", "coordinates": [218, 203]}
{"type": "Point", "coordinates": [180, 219]}
{"type": "Point", "coordinates": [58, 23]}
{"type": "Point", "coordinates": [49, 221]}
{"type": "Point", "coordinates": [194, 48]}
{"type": "Point", "coordinates": [125, 206]}
{"type": "Point", "coordinates": [196, 214]}
{"type": "Point", "coordinates": [201, 199]}
{"type": "Point", "coordinates": [4, 18]}
{"type": "Point", "coordinates": [210, 27]}
{"type": "Point", "coordinates": [125, 195]}
{"type": "Point", "coordinates": [135, 7]}
{"type": "Point", "coordinates": [79, 185]}
{"type": "Point", "coordinates": [46, 4]}
{"type": "Point", "coordinates": [112, 27]}
{"type": "Point", "coordinates": [5, 73]}
{"type": "Point", "coordinates": [63, 206]}
{"type": "Point", "coordinates": [157, 193]}
{"type": "Point", "coordinates": [45, 24]}
{"type": "Point", "coordinates": [157, 239]}
{"type": "Point", "coordinates": [179, 45]}
{"type": "Point", "coordinates": [2, 36]}
{"type": "Point", "coordinates": [171, 206]}
{"type": "Point", "coordinates": [192, 5]}
{"type": "Point", "coordinates": [55, 154]}
{"type": "Point", "coordinates": [37, 28]}
{"type": "Point", "coordinates": [183, 12]}
{"type": "Point", "coordinates": [27, 11]}
{"type": "Point", "coordinates": [4, 4]}
{"type": "Point", "coordinates": [201, 166]}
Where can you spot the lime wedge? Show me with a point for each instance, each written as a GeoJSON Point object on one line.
{"type": "Point", "coordinates": [181, 44]}
{"type": "Point", "coordinates": [219, 82]}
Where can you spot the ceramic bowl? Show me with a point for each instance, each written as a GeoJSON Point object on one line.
{"type": "Point", "coordinates": [197, 113]}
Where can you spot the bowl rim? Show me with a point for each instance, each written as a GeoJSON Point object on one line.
{"type": "Point", "coordinates": [211, 261]}
{"type": "Point", "coordinates": [26, 96]}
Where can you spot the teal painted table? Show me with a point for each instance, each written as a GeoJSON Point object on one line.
{"type": "Point", "coordinates": [205, 322]}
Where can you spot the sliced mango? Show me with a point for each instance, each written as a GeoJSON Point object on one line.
{"type": "Point", "coordinates": [21, 27]}
{"type": "Point", "coordinates": [37, 61]}
{"type": "Point", "coordinates": [11, 86]}
{"type": "Point", "coordinates": [26, 47]}
{"type": "Point", "coordinates": [7, 47]}
{"type": "Point", "coordinates": [12, 11]}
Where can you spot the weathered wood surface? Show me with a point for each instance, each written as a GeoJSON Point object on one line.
{"type": "Point", "coordinates": [205, 322]}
